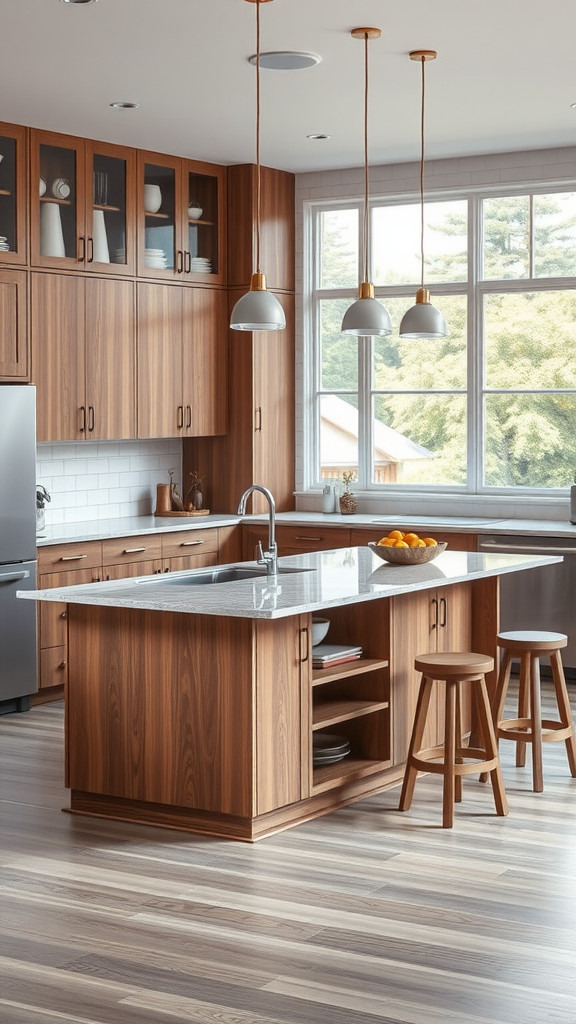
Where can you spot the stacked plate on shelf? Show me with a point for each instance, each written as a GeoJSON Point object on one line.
{"type": "Point", "coordinates": [120, 256]}
{"type": "Point", "coordinates": [200, 265]}
{"type": "Point", "coordinates": [4, 247]}
{"type": "Point", "coordinates": [155, 258]}
{"type": "Point", "coordinates": [328, 749]}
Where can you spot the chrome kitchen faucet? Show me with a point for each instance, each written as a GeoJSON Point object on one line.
{"type": "Point", "coordinates": [268, 558]}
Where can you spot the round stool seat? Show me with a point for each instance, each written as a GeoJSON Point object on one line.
{"type": "Point", "coordinates": [453, 664]}
{"type": "Point", "coordinates": [532, 640]}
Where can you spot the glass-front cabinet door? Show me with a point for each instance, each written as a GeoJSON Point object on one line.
{"type": "Point", "coordinates": [82, 216]}
{"type": "Point", "coordinates": [110, 189]}
{"type": "Point", "coordinates": [12, 194]}
{"type": "Point", "coordinates": [181, 220]}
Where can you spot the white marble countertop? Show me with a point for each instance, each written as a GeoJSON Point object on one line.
{"type": "Point", "coordinates": [130, 526]}
{"type": "Point", "coordinates": [337, 577]}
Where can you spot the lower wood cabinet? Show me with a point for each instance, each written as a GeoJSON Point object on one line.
{"type": "Point", "coordinates": [293, 540]}
{"type": "Point", "coordinates": [455, 541]}
{"type": "Point", "coordinates": [64, 565]}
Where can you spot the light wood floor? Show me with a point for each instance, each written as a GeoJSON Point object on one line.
{"type": "Point", "coordinates": [366, 916]}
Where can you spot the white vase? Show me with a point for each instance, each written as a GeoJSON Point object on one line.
{"type": "Point", "coordinates": [51, 236]}
{"type": "Point", "coordinates": [100, 238]}
{"type": "Point", "coordinates": [152, 198]}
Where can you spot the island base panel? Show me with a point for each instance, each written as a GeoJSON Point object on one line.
{"type": "Point", "coordinates": [183, 819]}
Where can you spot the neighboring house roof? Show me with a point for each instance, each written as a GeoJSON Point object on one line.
{"type": "Point", "coordinates": [339, 437]}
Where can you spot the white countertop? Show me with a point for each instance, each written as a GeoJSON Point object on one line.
{"type": "Point", "coordinates": [130, 526]}
{"type": "Point", "coordinates": [342, 576]}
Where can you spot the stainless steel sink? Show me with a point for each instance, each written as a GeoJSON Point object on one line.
{"type": "Point", "coordinates": [225, 574]}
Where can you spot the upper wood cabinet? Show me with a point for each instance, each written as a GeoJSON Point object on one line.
{"type": "Point", "coordinates": [83, 357]}
{"type": "Point", "coordinates": [13, 186]}
{"type": "Point", "coordinates": [182, 364]}
{"type": "Point", "coordinates": [13, 325]}
{"type": "Point", "coordinates": [277, 209]}
{"type": "Point", "coordinates": [181, 220]}
{"type": "Point", "coordinates": [83, 204]}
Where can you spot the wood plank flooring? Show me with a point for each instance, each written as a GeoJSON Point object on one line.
{"type": "Point", "coordinates": [366, 916]}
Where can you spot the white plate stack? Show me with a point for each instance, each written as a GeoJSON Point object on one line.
{"type": "Point", "coordinates": [155, 258]}
{"type": "Point", "coordinates": [4, 247]}
{"type": "Point", "coordinates": [200, 265]}
{"type": "Point", "coordinates": [120, 256]}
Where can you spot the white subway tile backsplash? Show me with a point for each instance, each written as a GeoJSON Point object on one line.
{"type": "Point", "coordinates": [105, 480]}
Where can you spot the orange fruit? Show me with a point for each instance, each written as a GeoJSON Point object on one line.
{"type": "Point", "coordinates": [421, 544]}
{"type": "Point", "coordinates": [430, 542]}
{"type": "Point", "coordinates": [412, 540]}
{"type": "Point", "coordinates": [386, 542]}
{"type": "Point", "coordinates": [396, 535]}
{"type": "Point", "coordinates": [401, 544]}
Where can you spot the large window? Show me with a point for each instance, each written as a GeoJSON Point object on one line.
{"type": "Point", "coordinates": [490, 408]}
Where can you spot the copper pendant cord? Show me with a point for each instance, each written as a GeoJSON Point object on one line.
{"type": "Point", "coordinates": [366, 188]}
{"type": "Point", "coordinates": [423, 61]}
{"type": "Point", "coordinates": [257, 136]}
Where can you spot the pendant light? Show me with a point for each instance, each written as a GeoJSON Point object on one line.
{"type": "Point", "coordinates": [423, 320]}
{"type": "Point", "coordinates": [367, 316]}
{"type": "Point", "coordinates": [258, 310]}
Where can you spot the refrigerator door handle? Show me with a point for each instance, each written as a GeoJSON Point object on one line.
{"type": "Point", "coordinates": [6, 577]}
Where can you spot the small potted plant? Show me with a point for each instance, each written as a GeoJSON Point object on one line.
{"type": "Point", "coordinates": [348, 501]}
{"type": "Point", "coordinates": [195, 495]}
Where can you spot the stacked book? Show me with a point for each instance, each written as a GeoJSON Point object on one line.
{"type": "Point", "coordinates": [328, 655]}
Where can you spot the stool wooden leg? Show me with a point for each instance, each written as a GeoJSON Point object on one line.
{"type": "Point", "coordinates": [536, 724]}
{"type": "Point", "coordinates": [411, 772]}
{"type": "Point", "coordinates": [500, 697]}
{"type": "Point", "coordinates": [491, 747]}
{"type": "Point", "coordinates": [458, 759]}
{"type": "Point", "coordinates": [564, 708]}
{"type": "Point", "coordinates": [449, 755]}
{"type": "Point", "coordinates": [523, 704]}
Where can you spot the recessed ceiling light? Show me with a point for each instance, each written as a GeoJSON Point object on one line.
{"type": "Point", "coordinates": [573, 105]}
{"type": "Point", "coordinates": [79, 1]}
{"type": "Point", "coordinates": [121, 104]}
{"type": "Point", "coordinates": [286, 60]}
{"type": "Point", "coordinates": [319, 136]}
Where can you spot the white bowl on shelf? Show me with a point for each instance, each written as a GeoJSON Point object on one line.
{"type": "Point", "coordinates": [152, 198]}
{"type": "Point", "coordinates": [320, 628]}
{"type": "Point", "coordinates": [194, 212]}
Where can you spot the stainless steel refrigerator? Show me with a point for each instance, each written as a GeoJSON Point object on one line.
{"type": "Point", "coordinates": [18, 658]}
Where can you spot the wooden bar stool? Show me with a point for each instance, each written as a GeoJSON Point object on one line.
{"type": "Point", "coordinates": [449, 759]}
{"type": "Point", "coordinates": [530, 727]}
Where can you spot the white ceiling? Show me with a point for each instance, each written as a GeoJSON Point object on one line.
{"type": "Point", "coordinates": [504, 79]}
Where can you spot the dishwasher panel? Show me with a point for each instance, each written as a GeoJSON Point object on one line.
{"type": "Point", "coordinates": [543, 598]}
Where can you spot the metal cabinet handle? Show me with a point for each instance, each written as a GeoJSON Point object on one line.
{"type": "Point", "coordinates": [82, 256]}
{"type": "Point", "coordinates": [132, 551]}
{"type": "Point", "coordinates": [191, 543]}
{"type": "Point", "coordinates": [179, 261]}
{"type": "Point", "coordinates": [443, 612]}
{"type": "Point", "coordinates": [434, 603]}
{"type": "Point", "coordinates": [188, 264]}
{"type": "Point", "coordinates": [90, 250]}
{"type": "Point", "coordinates": [308, 538]}
{"type": "Point", "coordinates": [90, 419]}
{"type": "Point", "coordinates": [180, 417]}
{"type": "Point", "coordinates": [7, 576]}
{"type": "Point", "coordinates": [64, 615]}
{"type": "Point", "coordinates": [71, 558]}
{"type": "Point", "coordinates": [188, 417]}
{"type": "Point", "coordinates": [83, 420]}
{"type": "Point", "coordinates": [305, 646]}
{"type": "Point", "coordinates": [258, 426]}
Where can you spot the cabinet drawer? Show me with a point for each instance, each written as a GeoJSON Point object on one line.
{"type": "Point", "coordinates": [125, 570]}
{"type": "Point", "coordinates": [198, 561]}
{"type": "Point", "coordinates": [313, 538]}
{"type": "Point", "coordinates": [53, 614]}
{"type": "Point", "coordinates": [53, 667]}
{"type": "Point", "coordinates": [59, 557]}
{"type": "Point", "coordinates": [121, 550]}
{"type": "Point", "coordinates": [189, 542]}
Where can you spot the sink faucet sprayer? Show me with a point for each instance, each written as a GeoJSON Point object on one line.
{"type": "Point", "coordinates": [268, 558]}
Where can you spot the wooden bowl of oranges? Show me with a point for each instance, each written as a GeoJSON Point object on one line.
{"type": "Point", "coordinates": [407, 548]}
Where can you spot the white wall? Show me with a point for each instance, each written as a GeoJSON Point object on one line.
{"type": "Point", "coordinates": [105, 480]}
{"type": "Point", "coordinates": [550, 166]}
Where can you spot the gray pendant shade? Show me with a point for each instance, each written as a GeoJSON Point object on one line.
{"type": "Point", "coordinates": [423, 320]}
{"type": "Point", "coordinates": [258, 310]}
{"type": "Point", "coordinates": [366, 317]}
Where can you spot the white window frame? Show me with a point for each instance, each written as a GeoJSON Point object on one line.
{"type": "Point", "coordinates": [475, 289]}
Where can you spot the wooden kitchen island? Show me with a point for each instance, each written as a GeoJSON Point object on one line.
{"type": "Point", "coordinates": [193, 707]}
